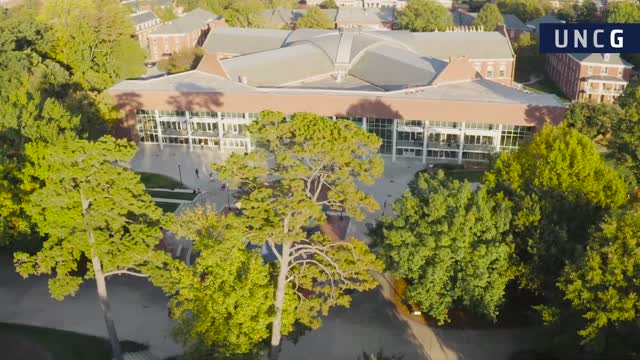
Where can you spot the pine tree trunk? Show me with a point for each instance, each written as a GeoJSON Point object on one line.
{"type": "Point", "coordinates": [101, 287]}
{"type": "Point", "coordinates": [106, 308]}
{"type": "Point", "coordinates": [276, 329]}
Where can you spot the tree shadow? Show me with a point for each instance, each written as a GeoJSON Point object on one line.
{"type": "Point", "coordinates": [195, 97]}
{"type": "Point", "coordinates": [367, 107]}
{"type": "Point", "coordinates": [127, 103]}
{"type": "Point", "coordinates": [539, 115]}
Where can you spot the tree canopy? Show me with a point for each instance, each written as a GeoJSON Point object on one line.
{"type": "Point", "coordinates": [625, 144]}
{"type": "Point", "coordinates": [93, 38]}
{"type": "Point", "coordinates": [560, 186]}
{"type": "Point", "coordinates": [452, 245]}
{"type": "Point", "coordinates": [245, 14]}
{"type": "Point", "coordinates": [525, 10]}
{"type": "Point", "coordinates": [424, 15]}
{"type": "Point", "coordinates": [605, 282]}
{"type": "Point", "coordinates": [329, 4]}
{"type": "Point", "coordinates": [623, 12]}
{"type": "Point", "coordinates": [585, 11]}
{"type": "Point", "coordinates": [489, 17]}
{"type": "Point", "coordinates": [592, 120]}
{"type": "Point", "coordinates": [314, 18]}
{"type": "Point", "coordinates": [184, 60]}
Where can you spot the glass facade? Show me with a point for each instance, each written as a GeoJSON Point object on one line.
{"type": "Point", "coordinates": [423, 139]}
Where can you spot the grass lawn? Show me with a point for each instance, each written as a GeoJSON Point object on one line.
{"type": "Point", "coordinates": [167, 207]}
{"type": "Point", "coordinates": [171, 195]}
{"type": "Point", "coordinates": [59, 344]}
{"type": "Point", "coordinates": [469, 175]}
{"type": "Point", "coordinates": [546, 86]}
{"type": "Point", "coordinates": [152, 181]}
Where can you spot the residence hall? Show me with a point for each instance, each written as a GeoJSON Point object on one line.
{"type": "Point", "coordinates": [438, 95]}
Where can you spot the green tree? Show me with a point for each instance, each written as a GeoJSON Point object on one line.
{"type": "Point", "coordinates": [625, 144]}
{"type": "Point", "coordinates": [245, 14]}
{"type": "Point", "coordinates": [605, 282]}
{"type": "Point", "coordinates": [329, 4]}
{"type": "Point", "coordinates": [424, 15]}
{"type": "Point", "coordinates": [567, 13]}
{"type": "Point", "coordinates": [282, 192]}
{"type": "Point", "coordinates": [287, 4]}
{"type": "Point", "coordinates": [184, 60]}
{"type": "Point", "coordinates": [225, 299]}
{"type": "Point", "coordinates": [379, 356]}
{"type": "Point", "coordinates": [529, 61]}
{"type": "Point", "coordinates": [91, 207]}
{"type": "Point", "coordinates": [593, 120]}
{"type": "Point", "coordinates": [93, 38]}
{"type": "Point", "coordinates": [623, 12]}
{"type": "Point", "coordinates": [525, 10]}
{"type": "Point", "coordinates": [451, 244]}
{"type": "Point", "coordinates": [165, 13]}
{"type": "Point", "coordinates": [585, 11]}
{"type": "Point", "coordinates": [314, 18]}
{"type": "Point", "coordinates": [560, 187]}
{"type": "Point", "coordinates": [489, 17]}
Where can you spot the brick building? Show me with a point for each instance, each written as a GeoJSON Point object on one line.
{"type": "Point", "coordinates": [187, 31]}
{"type": "Point", "coordinates": [145, 22]}
{"type": "Point", "coordinates": [419, 92]}
{"type": "Point", "coordinates": [599, 78]}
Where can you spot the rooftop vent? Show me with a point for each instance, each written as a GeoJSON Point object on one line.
{"type": "Point", "coordinates": [607, 57]}
{"type": "Point", "coordinates": [243, 79]}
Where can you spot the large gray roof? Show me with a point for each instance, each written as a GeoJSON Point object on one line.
{"type": "Point", "coordinates": [402, 68]}
{"type": "Point", "coordinates": [240, 41]}
{"type": "Point", "coordinates": [187, 23]}
{"type": "Point", "coordinates": [534, 24]}
{"type": "Point", "coordinates": [280, 66]}
{"type": "Point", "coordinates": [474, 45]}
{"type": "Point", "coordinates": [614, 59]}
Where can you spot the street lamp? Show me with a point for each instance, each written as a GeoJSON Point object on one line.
{"type": "Point", "coordinates": [180, 173]}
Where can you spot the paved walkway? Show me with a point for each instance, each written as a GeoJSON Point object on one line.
{"type": "Point", "coordinates": [139, 309]}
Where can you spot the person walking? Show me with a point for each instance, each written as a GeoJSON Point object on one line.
{"type": "Point", "coordinates": [197, 174]}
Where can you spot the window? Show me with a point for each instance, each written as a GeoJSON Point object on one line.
{"type": "Point", "coordinates": [490, 72]}
{"type": "Point", "coordinates": [514, 136]}
{"type": "Point", "coordinates": [590, 71]}
{"type": "Point", "coordinates": [607, 57]}
{"type": "Point", "coordinates": [604, 70]}
{"type": "Point", "coordinates": [620, 72]}
{"type": "Point", "coordinates": [503, 72]}
{"type": "Point", "coordinates": [383, 128]}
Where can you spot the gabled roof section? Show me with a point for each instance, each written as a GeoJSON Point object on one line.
{"type": "Point", "coordinates": [534, 24]}
{"type": "Point", "coordinates": [189, 22]}
{"type": "Point", "coordinates": [280, 66]}
{"type": "Point", "coordinates": [279, 16]}
{"type": "Point", "coordinates": [463, 18]}
{"type": "Point", "coordinates": [189, 81]}
{"type": "Point", "coordinates": [211, 65]}
{"type": "Point", "coordinates": [513, 22]}
{"type": "Point", "coordinates": [241, 41]}
{"type": "Point", "coordinates": [143, 17]}
{"type": "Point", "coordinates": [392, 68]}
{"type": "Point", "coordinates": [457, 70]}
{"type": "Point", "coordinates": [614, 59]}
{"type": "Point", "coordinates": [473, 45]}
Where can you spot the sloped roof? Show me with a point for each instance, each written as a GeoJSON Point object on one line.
{"type": "Point", "coordinates": [402, 68]}
{"type": "Point", "coordinates": [189, 81]}
{"type": "Point", "coordinates": [463, 18]}
{"type": "Point", "coordinates": [547, 19]}
{"type": "Point", "coordinates": [279, 66]}
{"type": "Point", "coordinates": [240, 41]}
{"type": "Point", "coordinates": [513, 22]}
{"type": "Point", "coordinates": [614, 59]}
{"type": "Point", "coordinates": [278, 17]}
{"type": "Point", "coordinates": [143, 17]}
{"type": "Point", "coordinates": [359, 15]}
{"type": "Point", "coordinates": [187, 23]}
{"type": "Point", "coordinates": [474, 45]}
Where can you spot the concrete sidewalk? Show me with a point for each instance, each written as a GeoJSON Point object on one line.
{"type": "Point", "coordinates": [139, 308]}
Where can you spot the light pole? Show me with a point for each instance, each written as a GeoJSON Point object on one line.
{"type": "Point", "coordinates": [180, 173]}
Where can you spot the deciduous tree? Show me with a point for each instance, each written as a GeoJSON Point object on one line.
{"type": "Point", "coordinates": [592, 120]}
{"type": "Point", "coordinates": [604, 284]}
{"type": "Point", "coordinates": [245, 14]}
{"type": "Point", "coordinates": [91, 206]}
{"type": "Point", "coordinates": [623, 12]}
{"type": "Point", "coordinates": [424, 15]}
{"type": "Point", "coordinates": [282, 191]}
{"type": "Point", "coordinates": [489, 17]}
{"type": "Point", "coordinates": [452, 245]}
{"type": "Point", "coordinates": [315, 19]}
{"type": "Point", "coordinates": [560, 187]}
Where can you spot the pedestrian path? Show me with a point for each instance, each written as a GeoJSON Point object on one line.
{"type": "Point", "coordinates": [172, 190]}
{"type": "Point", "coordinates": [173, 201]}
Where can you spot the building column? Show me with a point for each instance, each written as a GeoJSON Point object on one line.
{"type": "Point", "coordinates": [393, 142]}
{"type": "Point", "coordinates": [333, 117]}
{"type": "Point", "coordinates": [364, 123]}
{"type": "Point", "coordinates": [461, 143]}
{"type": "Point", "coordinates": [498, 137]}
{"type": "Point", "coordinates": [220, 130]}
{"type": "Point", "coordinates": [425, 135]}
{"type": "Point", "coordinates": [189, 130]}
{"type": "Point", "coordinates": [157, 113]}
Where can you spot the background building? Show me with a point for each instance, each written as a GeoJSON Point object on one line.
{"type": "Point", "coordinates": [145, 21]}
{"type": "Point", "coordinates": [421, 93]}
{"type": "Point", "coordinates": [187, 31]}
{"type": "Point", "coordinates": [599, 78]}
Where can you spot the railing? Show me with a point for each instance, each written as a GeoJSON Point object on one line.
{"type": "Point", "coordinates": [485, 147]}
{"type": "Point", "coordinates": [441, 146]}
{"type": "Point", "coordinates": [409, 144]}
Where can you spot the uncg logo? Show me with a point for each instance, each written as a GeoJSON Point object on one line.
{"type": "Point", "coordinates": [589, 38]}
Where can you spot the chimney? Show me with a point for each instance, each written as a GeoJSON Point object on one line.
{"type": "Point", "coordinates": [607, 57]}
